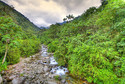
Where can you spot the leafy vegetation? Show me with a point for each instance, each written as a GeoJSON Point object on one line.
{"type": "Point", "coordinates": [93, 45]}
{"type": "Point", "coordinates": [68, 18]}
{"type": "Point", "coordinates": [14, 42]}
{"type": "Point", "coordinates": [18, 36]}
{"type": "Point", "coordinates": [21, 20]}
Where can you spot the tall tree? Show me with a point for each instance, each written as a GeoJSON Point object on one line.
{"type": "Point", "coordinates": [9, 33]}
{"type": "Point", "coordinates": [68, 18]}
{"type": "Point", "coordinates": [64, 19]}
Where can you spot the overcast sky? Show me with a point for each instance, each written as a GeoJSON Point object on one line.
{"type": "Point", "coordinates": [47, 12]}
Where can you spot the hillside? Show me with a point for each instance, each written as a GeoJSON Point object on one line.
{"type": "Point", "coordinates": [18, 36]}
{"type": "Point", "coordinates": [6, 10]}
{"type": "Point", "coordinates": [92, 46]}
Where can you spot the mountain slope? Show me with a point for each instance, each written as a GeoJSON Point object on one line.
{"type": "Point", "coordinates": [18, 36]}
{"type": "Point", "coordinates": [21, 20]}
{"type": "Point", "coordinates": [92, 46]}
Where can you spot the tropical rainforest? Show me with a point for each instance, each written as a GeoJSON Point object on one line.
{"type": "Point", "coordinates": [18, 36]}
{"type": "Point", "coordinates": [92, 45]}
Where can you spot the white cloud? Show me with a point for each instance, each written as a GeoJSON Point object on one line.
{"type": "Point", "coordinates": [46, 12]}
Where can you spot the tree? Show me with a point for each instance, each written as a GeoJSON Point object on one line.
{"type": "Point", "coordinates": [9, 33]}
{"type": "Point", "coordinates": [64, 19]}
{"type": "Point", "coordinates": [68, 18]}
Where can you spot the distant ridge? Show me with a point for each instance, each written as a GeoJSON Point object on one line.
{"type": "Point", "coordinates": [20, 19]}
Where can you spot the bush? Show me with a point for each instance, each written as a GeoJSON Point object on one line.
{"type": "Point", "coordinates": [93, 47]}
{"type": "Point", "coordinates": [29, 47]}
{"type": "Point", "coordinates": [3, 66]}
{"type": "Point", "coordinates": [16, 41]}
{"type": "Point", "coordinates": [13, 55]}
{"type": "Point", "coordinates": [52, 47]}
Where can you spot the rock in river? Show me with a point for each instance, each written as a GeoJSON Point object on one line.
{"type": "Point", "coordinates": [46, 69]}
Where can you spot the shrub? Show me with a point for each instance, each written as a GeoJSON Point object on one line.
{"type": "Point", "coordinates": [13, 55]}
{"type": "Point", "coordinates": [3, 66]}
{"type": "Point", "coordinates": [52, 47]}
{"type": "Point", "coordinates": [29, 47]}
{"type": "Point", "coordinates": [93, 47]}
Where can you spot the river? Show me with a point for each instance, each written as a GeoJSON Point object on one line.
{"type": "Point", "coordinates": [40, 68]}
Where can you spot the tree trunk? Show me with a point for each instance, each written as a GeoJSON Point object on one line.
{"type": "Point", "coordinates": [5, 53]}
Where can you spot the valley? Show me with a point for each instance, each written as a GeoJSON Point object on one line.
{"type": "Point", "coordinates": [88, 49]}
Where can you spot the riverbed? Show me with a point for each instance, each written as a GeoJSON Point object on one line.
{"type": "Point", "coordinates": [40, 68]}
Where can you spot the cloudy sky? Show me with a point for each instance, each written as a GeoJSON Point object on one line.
{"type": "Point", "coordinates": [47, 12]}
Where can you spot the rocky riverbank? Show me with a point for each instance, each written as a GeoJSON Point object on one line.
{"type": "Point", "coordinates": [33, 70]}
{"type": "Point", "coordinates": [40, 68]}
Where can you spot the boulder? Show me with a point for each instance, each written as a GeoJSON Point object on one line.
{"type": "Point", "coordinates": [18, 80]}
{"type": "Point", "coordinates": [51, 82]}
{"type": "Point", "coordinates": [39, 69]}
{"type": "Point", "coordinates": [46, 74]}
{"type": "Point", "coordinates": [46, 69]}
{"type": "Point", "coordinates": [11, 77]}
{"type": "Point", "coordinates": [63, 81]}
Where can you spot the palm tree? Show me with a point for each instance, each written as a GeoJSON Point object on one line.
{"type": "Point", "coordinates": [69, 18]}
{"type": "Point", "coordinates": [64, 19]}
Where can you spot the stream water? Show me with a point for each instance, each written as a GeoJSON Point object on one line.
{"type": "Point", "coordinates": [58, 70]}
{"type": "Point", "coordinates": [40, 68]}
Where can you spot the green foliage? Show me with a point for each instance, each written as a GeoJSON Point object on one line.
{"type": "Point", "coordinates": [57, 78]}
{"type": "Point", "coordinates": [3, 66]}
{"type": "Point", "coordinates": [29, 47]}
{"type": "Point", "coordinates": [16, 41]}
{"type": "Point", "coordinates": [13, 56]}
{"type": "Point", "coordinates": [21, 20]}
{"type": "Point", "coordinates": [18, 34]}
{"type": "Point", "coordinates": [111, 13]}
{"type": "Point", "coordinates": [9, 34]}
{"type": "Point", "coordinates": [52, 47]}
{"type": "Point", "coordinates": [68, 18]}
{"type": "Point", "coordinates": [93, 46]}
{"type": "Point", "coordinates": [90, 11]}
